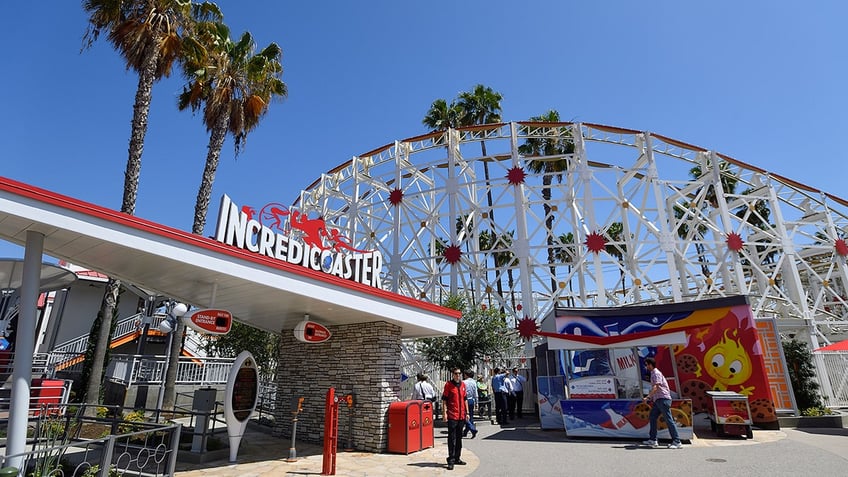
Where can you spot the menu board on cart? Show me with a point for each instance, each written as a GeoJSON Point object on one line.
{"type": "Point", "coordinates": [592, 387]}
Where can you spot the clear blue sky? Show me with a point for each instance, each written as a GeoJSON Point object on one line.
{"type": "Point", "coordinates": [761, 81]}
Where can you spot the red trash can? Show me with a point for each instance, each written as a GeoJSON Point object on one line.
{"type": "Point", "coordinates": [404, 427]}
{"type": "Point", "coordinates": [427, 438]}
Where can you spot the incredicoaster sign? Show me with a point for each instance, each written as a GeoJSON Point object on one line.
{"type": "Point", "coordinates": [319, 247]}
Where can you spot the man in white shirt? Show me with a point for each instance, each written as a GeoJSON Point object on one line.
{"type": "Point", "coordinates": [423, 390]}
{"type": "Point", "coordinates": [518, 382]}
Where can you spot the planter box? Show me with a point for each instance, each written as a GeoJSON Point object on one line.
{"type": "Point", "coordinates": [832, 421]}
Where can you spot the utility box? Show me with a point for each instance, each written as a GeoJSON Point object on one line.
{"type": "Point", "coordinates": [202, 404]}
{"type": "Point", "coordinates": [427, 431]}
{"type": "Point", "coordinates": [204, 400]}
{"type": "Point", "coordinates": [404, 427]}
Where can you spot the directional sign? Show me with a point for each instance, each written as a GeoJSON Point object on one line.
{"type": "Point", "coordinates": [311, 332]}
{"type": "Point", "coordinates": [210, 322]}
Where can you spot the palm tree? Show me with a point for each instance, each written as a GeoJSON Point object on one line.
{"type": "Point", "coordinates": [728, 182]}
{"type": "Point", "coordinates": [481, 105]}
{"type": "Point", "coordinates": [757, 217]}
{"type": "Point", "coordinates": [545, 147]}
{"type": "Point", "coordinates": [615, 233]}
{"type": "Point", "coordinates": [442, 115]}
{"type": "Point", "coordinates": [147, 34]}
{"type": "Point", "coordinates": [728, 185]}
{"type": "Point", "coordinates": [698, 233]}
{"type": "Point", "coordinates": [505, 259]}
{"type": "Point", "coordinates": [566, 253]}
{"type": "Point", "coordinates": [234, 87]}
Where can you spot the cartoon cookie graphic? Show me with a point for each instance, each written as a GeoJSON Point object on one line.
{"type": "Point", "coordinates": [762, 410]}
{"type": "Point", "coordinates": [680, 418]}
{"type": "Point", "coordinates": [696, 390]}
{"type": "Point", "coordinates": [638, 417]}
{"type": "Point", "coordinates": [734, 419]}
{"type": "Point", "coordinates": [688, 364]}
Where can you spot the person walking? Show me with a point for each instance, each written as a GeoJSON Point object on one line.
{"type": "Point", "coordinates": [660, 396]}
{"type": "Point", "coordinates": [471, 397]}
{"type": "Point", "coordinates": [455, 411]}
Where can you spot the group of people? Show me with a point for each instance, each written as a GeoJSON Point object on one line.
{"type": "Point", "coordinates": [508, 388]}
{"type": "Point", "coordinates": [462, 393]}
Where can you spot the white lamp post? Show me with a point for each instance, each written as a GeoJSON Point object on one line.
{"type": "Point", "coordinates": [175, 312]}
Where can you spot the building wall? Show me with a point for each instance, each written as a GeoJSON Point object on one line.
{"type": "Point", "coordinates": [360, 358]}
{"type": "Point", "coordinates": [80, 311]}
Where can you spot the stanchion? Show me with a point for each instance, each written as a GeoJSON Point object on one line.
{"type": "Point", "coordinates": [351, 401]}
{"type": "Point", "coordinates": [292, 450]}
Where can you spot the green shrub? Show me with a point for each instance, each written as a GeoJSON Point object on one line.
{"type": "Point", "coordinates": [817, 411]}
{"type": "Point", "coordinates": [94, 471]}
{"type": "Point", "coordinates": [127, 425]}
{"type": "Point", "coordinates": [799, 362]}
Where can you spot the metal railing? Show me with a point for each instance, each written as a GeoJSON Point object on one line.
{"type": "Point", "coordinates": [124, 327]}
{"type": "Point", "coordinates": [142, 449]}
{"type": "Point", "coordinates": [836, 365]}
{"type": "Point", "coordinates": [133, 369]}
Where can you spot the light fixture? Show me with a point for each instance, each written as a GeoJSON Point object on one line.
{"type": "Point", "coordinates": [175, 312]}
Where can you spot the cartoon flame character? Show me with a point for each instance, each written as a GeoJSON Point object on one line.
{"type": "Point", "coordinates": [729, 364]}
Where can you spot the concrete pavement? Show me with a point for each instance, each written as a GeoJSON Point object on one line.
{"type": "Point", "coordinates": [524, 449]}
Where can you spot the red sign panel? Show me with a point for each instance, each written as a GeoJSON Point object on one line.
{"type": "Point", "coordinates": [311, 332]}
{"type": "Point", "coordinates": [210, 322]}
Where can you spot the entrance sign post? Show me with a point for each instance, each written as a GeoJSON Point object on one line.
{"type": "Point", "coordinates": [240, 398]}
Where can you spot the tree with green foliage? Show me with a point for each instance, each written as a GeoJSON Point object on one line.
{"type": "Point", "coordinates": [263, 345]}
{"type": "Point", "coordinates": [480, 333]}
{"type": "Point", "coordinates": [799, 362]}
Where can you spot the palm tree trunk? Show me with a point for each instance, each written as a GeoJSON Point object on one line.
{"type": "Point", "coordinates": [490, 202]}
{"type": "Point", "coordinates": [104, 336]}
{"type": "Point", "coordinates": [201, 206]}
{"type": "Point", "coordinates": [549, 225]}
{"type": "Point", "coordinates": [141, 109]}
{"type": "Point", "coordinates": [213, 156]}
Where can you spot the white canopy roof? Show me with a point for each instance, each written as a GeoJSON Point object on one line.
{"type": "Point", "coordinates": [263, 292]}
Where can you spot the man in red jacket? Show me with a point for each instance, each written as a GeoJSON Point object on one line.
{"type": "Point", "coordinates": [454, 411]}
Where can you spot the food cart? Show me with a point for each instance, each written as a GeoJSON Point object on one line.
{"type": "Point", "coordinates": [599, 354]}
{"type": "Point", "coordinates": [730, 414]}
{"type": "Point", "coordinates": [604, 395]}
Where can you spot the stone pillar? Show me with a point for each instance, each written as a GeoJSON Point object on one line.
{"type": "Point", "coordinates": [363, 358]}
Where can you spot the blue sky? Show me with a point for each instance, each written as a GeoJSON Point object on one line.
{"type": "Point", "coordinates": [761, 81]}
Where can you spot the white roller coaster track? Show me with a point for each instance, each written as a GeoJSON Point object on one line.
{"type": "Point", "coordinates": [678, 222]}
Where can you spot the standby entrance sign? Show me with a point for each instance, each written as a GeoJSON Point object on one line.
{"type": "Point", "coordinates": [318, 247]}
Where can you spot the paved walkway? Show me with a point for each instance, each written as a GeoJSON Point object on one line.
{"type": "Point", "coordinates": [527, 450]}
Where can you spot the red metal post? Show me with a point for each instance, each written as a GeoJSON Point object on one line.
{"type": "Point", "coordinates": [331, 433]}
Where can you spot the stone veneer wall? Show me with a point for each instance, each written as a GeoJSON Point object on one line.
{"type": "Point", "coordinates": [362, 358]}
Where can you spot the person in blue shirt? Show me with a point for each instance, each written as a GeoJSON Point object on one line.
{"type": "Point", "coordinates": [501, 392]}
